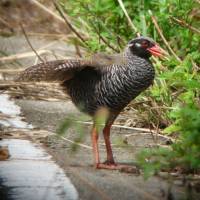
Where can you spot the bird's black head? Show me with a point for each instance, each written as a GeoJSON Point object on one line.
{"type": "Point", "coordinates": [145, 47]}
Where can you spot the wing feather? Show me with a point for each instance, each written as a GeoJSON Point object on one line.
{"type": "Point", "coordinates": [62, 70]}
{"type": "Point", "coordinates": [59, 70]}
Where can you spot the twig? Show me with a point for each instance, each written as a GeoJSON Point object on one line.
{"type": "Point", "coordinates": [104, 40]}
{"type": "Point", "coordinates": [195, 66]}
{"type": "Point", "coordinates": [123, 127]}
{"type": "Point", "coordinates": [38, 4]}
{"type": "Point", "coordinates": [68, 23]}
{"type": "Point", "coordinates": [128, 18]}
{"type": "Point", "coordinates": [99, 21]}
{"type": "Point", "coordinates": [144, 130]}
{"type": "Point", "coordinates": [184, 24]}
{"type": "Point", "coordinates": [6, 24]}
{"type": "Point", "coordinates": [10, 71]}
{"type": "Point", "coordinates": [22, 55]}
{"type": "Point", "coordinates": [27, 39]}
{"type": "Point", "coordinates": [54, 35]}
{"type": "Point", "coordinates": [78, 51]}
{"type": "Point", "coordinates": [162, 36]}
{"type": "Point", "coordinates": [108, 44]}
{"type": "Point", "coordinates": [41, 6]}
{"type": "Point", "coordinates": [32, 84]}
{"type": "Point", "coordinates": [148, 133]}
{"type": "Point", "coordinates": [76, 143]}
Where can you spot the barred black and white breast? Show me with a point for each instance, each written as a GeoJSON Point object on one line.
{"type": "Point", "coordinates": [109, 81]}
{"type": "Point", "coordinates": [112, 87]}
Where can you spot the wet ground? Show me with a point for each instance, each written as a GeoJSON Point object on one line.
{"type": "Point", "coordinates": [30, 174]}
{"type": "Point", "coordinates": [87, 181]}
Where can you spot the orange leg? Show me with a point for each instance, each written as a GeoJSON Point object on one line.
{"type": "Point", "coordinates": [106, 134]}
{"type": "Point", "coordinates": [110, 163]}
{"type": "Point", "coordinates": [95, 138]}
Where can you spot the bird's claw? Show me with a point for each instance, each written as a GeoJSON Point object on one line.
{"type": "Point", "coordinates": [109, 162]}
{"type": "Point", "coordinates": [120, 167]}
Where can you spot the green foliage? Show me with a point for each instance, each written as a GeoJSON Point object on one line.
{"type": "Point", "coordinates": [187, 123]}
{"type": "Point", "coordinates": [185, 152]}
{"type": "Point", "coordinates": [173, 101]}
{"type": "Point", "coordinates": [106, 18]}
{"type": "Point", "coordinates": [173, 86]}
{"type": "Point", "coordinates": [153, 160]}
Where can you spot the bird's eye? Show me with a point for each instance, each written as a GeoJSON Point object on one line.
{"type": "Point", "coordinates": [144, 44]}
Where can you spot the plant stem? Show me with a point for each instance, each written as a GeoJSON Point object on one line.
{"type": "Point", "coordinates": [128, 18]}
{"type": "Point", "coordinates": [162, 36]}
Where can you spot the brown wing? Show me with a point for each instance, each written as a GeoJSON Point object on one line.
{"type": "Point", "coordinates": [58, 70]}
{"type": "Point", "coordinates": [62, 70]}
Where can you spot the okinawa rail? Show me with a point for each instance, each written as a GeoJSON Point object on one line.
{"type": "Point", "coordinates": [102, 81]}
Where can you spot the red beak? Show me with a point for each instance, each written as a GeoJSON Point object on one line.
{"type": "Point", "coordinates": [157, 51]}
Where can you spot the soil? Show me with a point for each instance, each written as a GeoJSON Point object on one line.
{"type": "Point", "coordinates": [77, 161]}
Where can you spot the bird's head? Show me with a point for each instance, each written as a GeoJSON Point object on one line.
{"type": "Point", "coordinates": [145, 47]}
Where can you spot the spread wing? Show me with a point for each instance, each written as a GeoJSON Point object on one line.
{"type": "Point", "coordinates": [62, 70]}
{"type": "Point", "coordinates": [58, 70]}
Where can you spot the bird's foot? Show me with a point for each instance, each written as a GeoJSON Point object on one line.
{"type": "Point", "coordinates": [120, 167]}
{"type": "Point", "coordinates": [109, 162]}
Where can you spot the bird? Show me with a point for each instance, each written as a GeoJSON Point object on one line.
{"type": "Point", "coordinates": [103, 81]}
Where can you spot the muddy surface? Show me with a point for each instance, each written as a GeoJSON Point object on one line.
{"type": "Point", "coordinates": [92, 183]}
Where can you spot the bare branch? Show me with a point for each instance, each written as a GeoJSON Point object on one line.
{"type": "Point", "coordinates": [108, 44]}
{"type": "Point", "coordinates": [76, 143]}
{"type": "Point", "coordinates": [6, 24]}
{"type": "Point", "coordinates": [78, 51]}
{"type": "Point", "coordinates": [41, 6]}
{"type": "Point", "coordinates": [68, 23]}
{"type": "Point", "coordinates": [27, 39]}
{"type": "Point", "coordinates": [104, 40]}
{"type": "Point", "coordinates": [22, 55]}
{"type": "Point", "coordinates": [162, 36]}
{"type": "Point", "coordinates": [38, 4]}
{"type": "Point", "coordinates": [184, 24]}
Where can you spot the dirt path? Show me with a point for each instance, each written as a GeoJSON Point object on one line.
{"type": "Point", "coordinates": [91, 183]}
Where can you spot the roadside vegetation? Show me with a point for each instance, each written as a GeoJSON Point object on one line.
{"type": "Point", "coordinates": [172, 104]}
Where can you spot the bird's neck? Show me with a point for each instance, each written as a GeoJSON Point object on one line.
{"type": "Point", "coordinates": [142, 67]}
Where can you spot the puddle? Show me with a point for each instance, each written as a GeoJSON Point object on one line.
{"type": "Point", "coordinates": [10, 113]}
{"type": "Point", "coordinates": [31, 174]}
